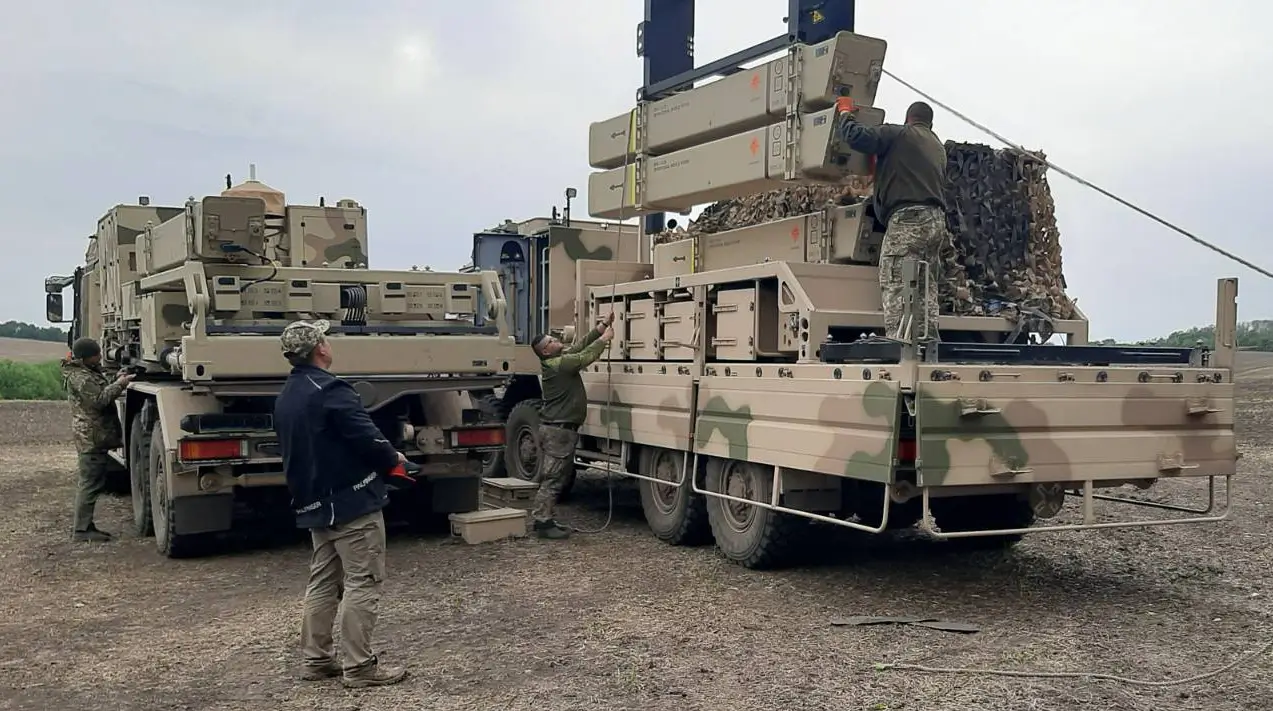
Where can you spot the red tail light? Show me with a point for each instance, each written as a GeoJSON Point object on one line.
{"type": "Point", "coordinates": [202, 449]}
{"type": "Point", "coordinates": [906, 450]}
{"type": "Point", "coordinates": [478, 437]}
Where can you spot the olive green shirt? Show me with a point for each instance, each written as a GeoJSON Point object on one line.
{"type": "Point", "coordinates": [564, 400]}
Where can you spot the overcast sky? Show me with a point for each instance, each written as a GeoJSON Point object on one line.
{"type": "Point", "coordinates": [440, 131]}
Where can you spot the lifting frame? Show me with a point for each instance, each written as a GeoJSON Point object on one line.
{"type": "Point", "coordinates": [665, 43]}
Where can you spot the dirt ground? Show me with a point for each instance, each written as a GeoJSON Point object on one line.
{"type": "Point", "coordinates": [619, 621]}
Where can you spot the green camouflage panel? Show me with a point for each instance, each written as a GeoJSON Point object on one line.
{"type": "Point", "coordinates": [1016, 432]}
{"type": "Point", "coordinates": [116, 246]}
{"type": "Point", "coordinates": [94, 422]}
{"type": "Point", "coordinates": [647, 408]}
{"type": "Point", "coordinates": [835, 427]}
{"type": "Point", "coordinates": [841, 427]}
{"type": "Point", "coordinates": [331, 236]}
{"type": "Point", "coordinates": [124, 223]}
{"type": "Point", "coordinates": [567, 245]}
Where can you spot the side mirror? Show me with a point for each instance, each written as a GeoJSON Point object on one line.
{"type": "Point", "coordinates": [53, 308]}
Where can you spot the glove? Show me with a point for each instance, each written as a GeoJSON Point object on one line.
{"type": "Point", "coordinates": [403, 476]}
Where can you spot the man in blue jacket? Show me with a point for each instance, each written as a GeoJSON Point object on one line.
{"type": "Point", "coordinates": [335, 460]}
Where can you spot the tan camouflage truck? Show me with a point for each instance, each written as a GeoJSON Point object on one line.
{"type": "Point", "coordinates": [747, 389]}
{"type": "Point", "coordinates": [193, 299]}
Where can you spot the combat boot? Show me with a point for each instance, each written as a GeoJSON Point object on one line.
{"type": "Point", "coordinates": [373, 675]}
{"type": "Point", "coordinates": [91, 534]}
{"type": "Point", "coordinates": [551, 529]}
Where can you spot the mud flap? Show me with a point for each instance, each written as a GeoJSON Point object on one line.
{"type": "Point", "coordinates": [202, 514]}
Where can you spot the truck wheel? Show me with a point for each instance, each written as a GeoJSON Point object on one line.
{"type": "Point", "coordinates": [521, 445]}
{"type": "Point", "coordinates": [751, 536]}
{"type": "Point", "coordinates": [168, 543]}
{"type": "Point", "coordinates": [676, 515]}
{"type": "Point", "coordinates": [139, 474]}
{"type": "Point", "coordinates": [521, 440]}
{"type": "Point", "coordinates": [492, 408]}
{"type": "Point", "coordinates": [981, 513]}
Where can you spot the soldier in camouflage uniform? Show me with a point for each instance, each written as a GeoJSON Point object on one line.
{"type": "Point", "coordinates": [95, 427]}
{"type": "Point", "coordinates": [565, 406]}
{"type": "Point", "coordinates": [910, 178]}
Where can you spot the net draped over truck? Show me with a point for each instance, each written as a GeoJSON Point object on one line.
{"type": "Point", "coordinates": [1005, 248]}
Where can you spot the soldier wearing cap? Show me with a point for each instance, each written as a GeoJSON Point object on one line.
{"type": "Point", "coordinates": [564, 408]}
{"type": "Point", "coordinates": [335, 459]}
{"type": "Point", "coordinates": [95, 428]}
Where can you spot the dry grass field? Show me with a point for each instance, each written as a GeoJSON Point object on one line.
{"type": "Point", "coordinates": [618, 621]}
{"type": "Point", "coordinates": [27, 351]}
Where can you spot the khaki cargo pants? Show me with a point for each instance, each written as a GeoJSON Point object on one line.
{"type": "Point", "coordinates": [348, 562]}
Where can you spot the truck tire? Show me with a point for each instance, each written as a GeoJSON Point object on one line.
{"type": "Point", "coordinates": [493, 410]}
{"type": "Point", "coordinates": [676, 515]}
{"type": "Point", "coordinates": [751, 536]}
{"type": "Point", "coordinates": [139, 476]}
{"type": "Point", "coordinates": [521, 445]}
{"type": "Point", "coordinates": [980, 513]}
{"type": "Point", "coordinates": [168, 543]}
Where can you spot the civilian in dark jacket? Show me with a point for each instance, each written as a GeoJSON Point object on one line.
{"type": "Point", "coordinates": [335, 459]}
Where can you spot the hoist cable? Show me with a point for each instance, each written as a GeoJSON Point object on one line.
{"type": "Point", "coordinates": [1082, 181]}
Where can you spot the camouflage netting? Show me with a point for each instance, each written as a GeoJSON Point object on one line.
{"type": "Point", "coordinates": [1006, 247]}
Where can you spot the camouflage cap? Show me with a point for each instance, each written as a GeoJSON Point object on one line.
{"type": "Point", "coordinates": [301, 337]}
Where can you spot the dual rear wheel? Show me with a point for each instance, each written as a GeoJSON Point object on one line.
{"type": "Point", "coordinates": [153, 511]}
{"type": "Point", "coordinates": [749, 535]}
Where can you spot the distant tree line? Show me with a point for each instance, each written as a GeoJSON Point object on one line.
{"type": "Point", "coordinates": [31, 332]}
{"type": "Point", "coordinates": [1252, 336]}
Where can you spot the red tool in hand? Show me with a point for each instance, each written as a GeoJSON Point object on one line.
{"type": "Point", "coordinates": [403, 475]}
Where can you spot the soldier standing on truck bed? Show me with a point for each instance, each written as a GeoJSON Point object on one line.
{"type": "Point", "coordinates": [333, 457]}
{"type": "Point", "coordinates": [564, 407]}
{"type": "Point", "coordinates": [95, 427]}
{"type": "Point", "coordinates": [910, 177]}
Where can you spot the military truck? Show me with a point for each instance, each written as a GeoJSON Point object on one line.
{"type": "Point", "coordinates": [748, 389]}
{"type": "Point", "coordinates": [193, 298]}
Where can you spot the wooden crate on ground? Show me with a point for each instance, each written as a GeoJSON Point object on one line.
{"type": "Point", "coordinates": [508, 492]}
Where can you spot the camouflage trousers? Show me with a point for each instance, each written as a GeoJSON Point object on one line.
{"type": "Point", "coordinates": [92, 482]}
{"type": "Point", "coordinates": [556, 457]}
{"type": "Point", "coordinates": [348, 562]}
{"type": "Point", "coordinates": [917, 232]}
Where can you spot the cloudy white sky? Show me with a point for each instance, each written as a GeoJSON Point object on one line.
{"type": "Point", "coordinates": [441, 131]}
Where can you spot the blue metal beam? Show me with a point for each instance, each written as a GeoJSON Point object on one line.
{"type": "Point", "coordinates": [665, 42]}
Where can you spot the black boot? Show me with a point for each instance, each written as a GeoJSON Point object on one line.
{"type": "Point", "coordinates": [551, 529]}
{"type": "Point", "coordinates": [91, 534]}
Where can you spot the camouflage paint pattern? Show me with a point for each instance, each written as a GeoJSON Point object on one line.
{"type": "Point", "coordinates": [1046, 431]}
{"type": "Point", "coordinates": [335, 236]}
{"type": "Point", "coordinates": [836, 427]}
{"type": "Point", "coordinates": [1072, 431]}
{"type": "Point", "coordinates": [567, 245]}
{"type": "Point", "coordinates": [648, 408]}
{"type": "Point", "coordinates": [116, 249]}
